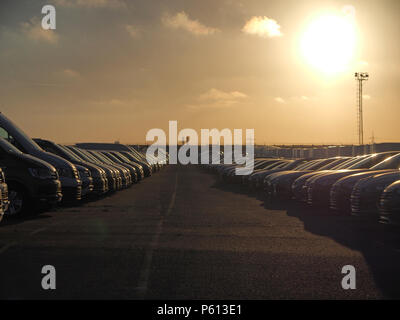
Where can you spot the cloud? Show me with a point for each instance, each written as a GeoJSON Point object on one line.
{"type": "Point", "coordinates": [33, 30]}
{"type": "Point", "coordinates": [263, 27]}
{"type": "Point", "coordinates": [90, 3]}
{"type": "Point", "coordinates": [362, 64]}
{"type": "Point", "coordinates": [182, 21]}
{"type": "Point", "coordinates": [71, 73]}
{"type": "Point", "coordinates": [215, 98]}
{"type": "Point", "coordinates": [132, 30]}
{"type": "Point", "coordinates": [279, 100]}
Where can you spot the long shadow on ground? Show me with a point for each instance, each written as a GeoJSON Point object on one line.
{"type": "Point", "coordinates": [379, 244]}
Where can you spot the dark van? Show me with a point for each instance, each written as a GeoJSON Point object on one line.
{"type": "Point", "coordinates": [3, 195]}
{"type": "Point", "coordinates": [32, 183]}
{"type": "Point", "coordinates": [68, 174]}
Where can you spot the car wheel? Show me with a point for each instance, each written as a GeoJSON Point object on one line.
{"type": "Point", "coordinates": [18, 201]}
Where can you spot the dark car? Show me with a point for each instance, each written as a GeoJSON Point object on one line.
{"type": "Point", "coordinates": [229, 173]}
{"type": "Point", "coordinates": [87, 180]}
{"type": "Point", "coordinates": [341, 190]}
{"type": "Point", "coordinates": [132, 169]}
{"type": "Point", "coordinates": [146, 167]}
{"type": "Point", "coordinates": [318, 192]}
{"type": "Point", "coordinates": [68, 174]}
{"type": "Point", "coordinates": [279, 185]}
{"type": "Point", "coordinates": [32, 183]}
{"type": "Point", "coordinates": [256, 179]}
{"type": "Point", "coordinates": [123, 172]}
{"type": "Point", "coordinates": [150, 161]}
{"type": "Point", "coordinates": [4, 202]}
{"type": "Point", "coordinates": [113, 174]}
{"type": "Point", "coordinates": [97, 175]}
{"type": "Point", "coordinates": [137, 166]}
{"type": "Point", "coordinates": [365, 196]}
{"type": "Point", "coordinates": [389, 210]}
{"type": "Point", "coordinates": [299, 186]}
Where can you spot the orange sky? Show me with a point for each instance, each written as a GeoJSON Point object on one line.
{"type": "Point", "coordinates": [112, 70]}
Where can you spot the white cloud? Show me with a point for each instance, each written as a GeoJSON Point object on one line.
{"type": "Point", "coordinates": [90, 3]}
{"type": "Point", "coordinates": [215, 98]}
{"type": "Point", "coordinates": [71, 73]}
{"type": "Point", "coordinates": [182, 21]}
{"type": "Point", "coordinates": [262, 27]}
{"type": "Point", "coordinates": [33, 30]}
{"type": "Point", "coordinates": [280, 100]}
{"type": "Point", "coordinates": [132, 30]}
{"type": "Point", "coordinates": [362, 64]}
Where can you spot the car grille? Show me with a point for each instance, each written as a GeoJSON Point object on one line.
{"type": "Point", "coordinates": [4, 194]}
{"type": "Point", "coordinates": [310, 193]}
{"type": "Point", "coordinates": [356, 200]}
{"type": "Point", "coordinates": [75, 173]}
{"type": "Point", "coordinates": [386, 198]}
{"type": "Point", "coordinates": [334, 193]}
{"type": "Point", "coordinates": [54, 175]}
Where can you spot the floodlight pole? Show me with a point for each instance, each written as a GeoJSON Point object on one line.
{"type": "Point", "coordinates": [360, 77]}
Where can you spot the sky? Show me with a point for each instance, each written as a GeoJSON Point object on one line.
{"type": "Point", "coordinates": [114, 69]}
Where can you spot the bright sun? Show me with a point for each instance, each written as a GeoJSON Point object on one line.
{"type": "Point", "coordinates": [328, 43]}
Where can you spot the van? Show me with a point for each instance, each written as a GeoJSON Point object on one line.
{"type": "Point", "coordinates": [32, 183]}
{"type": "Point", "coordinates": [68, 174]}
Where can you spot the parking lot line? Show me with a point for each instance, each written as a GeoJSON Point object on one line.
{"type": "Point", "coordinates": [142, 286]}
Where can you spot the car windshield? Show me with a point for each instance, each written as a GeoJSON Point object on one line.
{"type": "Point", "coordinates": [69, 152]}
{"type": "Point", "coordinates": [370, 161]}
{"type": "Point", "coordinates": [319, 164]}
{"type": "Point", "coordinates": [121, 156]}
{"type": "Point", "coordinates": [8, 147]}
{"type": "Point", "coordinates": [392, 162]}
{"type": "Point", "coordinates": [334, 164]}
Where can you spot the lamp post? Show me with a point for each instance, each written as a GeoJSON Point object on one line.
{"type": "Point", "coordinates": [360, 77]}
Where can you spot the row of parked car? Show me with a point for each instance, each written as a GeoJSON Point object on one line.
{"type": "Point", "coordinates": [367, 185]}
{"type": "Point", "coordinates": [37, 174]}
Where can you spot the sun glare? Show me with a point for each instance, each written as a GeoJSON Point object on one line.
{"type": "Point", "coordinates": [328, 42]}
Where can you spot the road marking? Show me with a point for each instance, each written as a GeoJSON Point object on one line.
{"type": "Point", "coordinates": [37, 231]}
{"type": "Point", "coordinates": [143, 282]}
{"type": "Point", "coordinates": [8, 246]}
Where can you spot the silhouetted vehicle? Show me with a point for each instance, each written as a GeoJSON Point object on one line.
{"type": "Point", "coordinates": [68, 174]}
{"type": "Point", "coordinates": [264, 165]}
{"type": "Point", "coordinates": [228, 172]}
{"type": "Point", "coordinates": [123, 148]}
{"type": "Point", "coordinates": [87, 180]}
{"type": "Point", "coordinates": [340, 194]}
{"type": "Point", "coordinates": [279, 184]}
{"type": "Point", "coordinates": [116, 161]}
{"type": "Point", "coordinates": [256, 179]}
{"type": "Point", "coordinates": [318, 192]}
{"type": "Point", "coordinates": [146, 167]}
{"type": "Point", "coordinates": [389, 209]}
{"type": "Point", "coordinates": [365, 196]}
{"type": "Point", "coordinates": [97, 174]}
{"type": "Point", "coordinates": [299, 186]}
{"type": "Point", "coordinates": [114, 175]}
{"type": "Point", "coordinates": [137, 166]}
{"type": "Point", "coordinates": [4, 202]}
{"type": "Point", "coordinates": [33, 184]}
{"type": "Point", "coordinates": [100, 158]}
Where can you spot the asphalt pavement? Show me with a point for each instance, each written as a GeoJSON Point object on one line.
{"type": "Point", "coordinates": [182, 234]}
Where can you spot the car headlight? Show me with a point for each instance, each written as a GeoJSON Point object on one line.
{"type": "Point", "coordinates": [84, 173]}
{"type": "Point", "coordinates": [42, 173]}
{"type": "Point", "coordinates": [65, 172]}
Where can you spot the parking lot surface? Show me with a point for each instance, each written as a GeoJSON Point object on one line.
{"type": "Point", "coordinates": [182, 234]}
